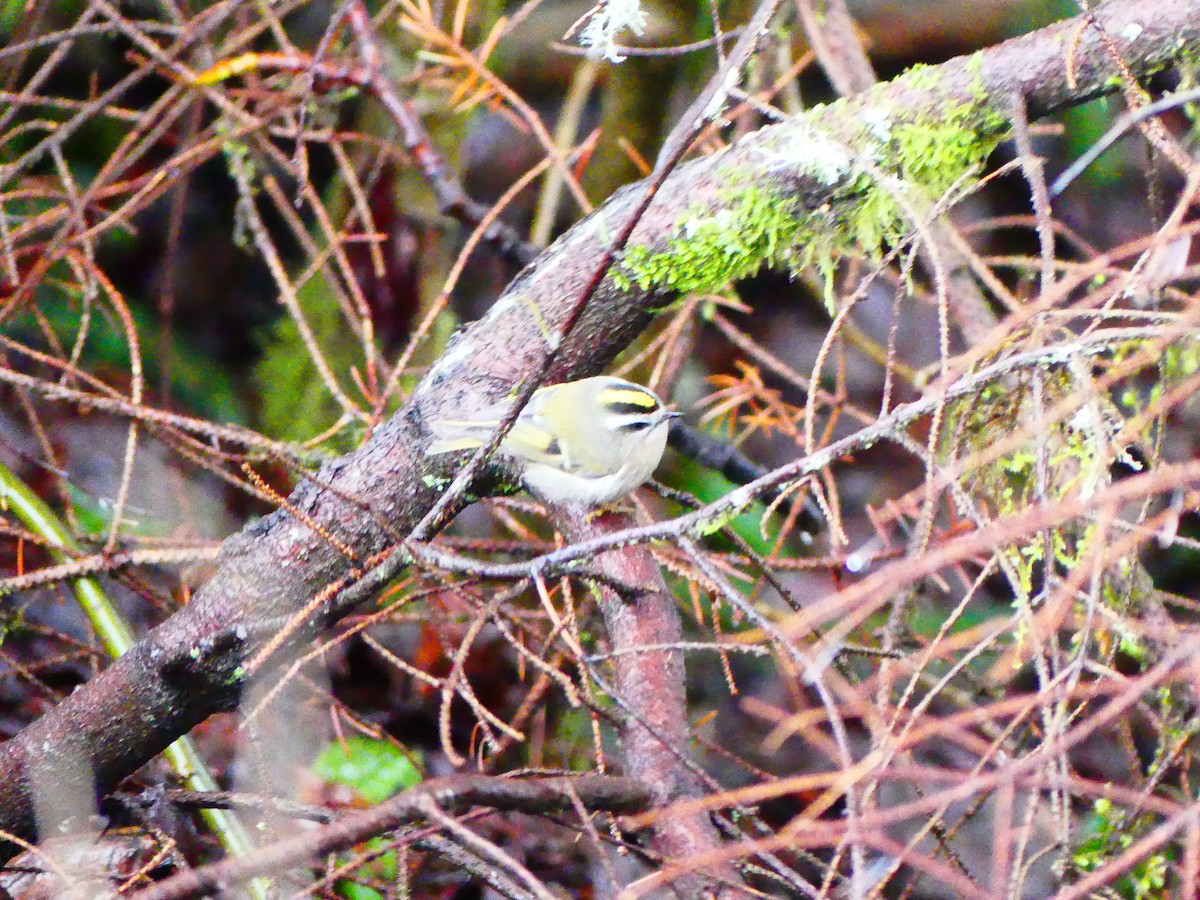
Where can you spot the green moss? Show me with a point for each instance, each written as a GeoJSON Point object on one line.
{"type": "Point", "coordinates": [1179, 361]}
{"type": "Point", "coordinates": [881, 163]}
{"type": "Point", "coordinates": [936, 154]}
{"type": "Point", "coordinates": [712, 249]}
{"type": "Point", "coordinates": [929, 154]}
{"type": "Point", "coordinates": [1007, 486]}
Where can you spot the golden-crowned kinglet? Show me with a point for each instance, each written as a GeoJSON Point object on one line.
{"type": "Point", "coordinates": [589, 442]}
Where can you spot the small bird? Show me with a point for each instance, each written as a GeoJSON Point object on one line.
{"type": "Point", "coordinates": [586, 442]}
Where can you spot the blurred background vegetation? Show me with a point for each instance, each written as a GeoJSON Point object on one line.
{"type": "Point", "coordinates": [192, 220]}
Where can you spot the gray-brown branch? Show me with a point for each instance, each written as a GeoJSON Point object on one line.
{"type": "Point", "coordinates": [455, 793]}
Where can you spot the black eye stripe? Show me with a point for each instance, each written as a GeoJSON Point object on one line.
{"type": "Point", "coordinates": [631, 409]}
{"type": "Point", "coordinates": [638, 425]}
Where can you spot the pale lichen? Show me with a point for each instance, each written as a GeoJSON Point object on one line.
{"type": "Point", "coordinates": [607, 20]}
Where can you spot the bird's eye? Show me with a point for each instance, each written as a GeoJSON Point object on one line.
{"type": "Point", "coordinates": [636, 425]}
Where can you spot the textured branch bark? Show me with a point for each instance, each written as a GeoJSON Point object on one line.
{"type": "Point", "coordinates": [191, 665]}
{"type": "Point", "coordinates": [649, 687]}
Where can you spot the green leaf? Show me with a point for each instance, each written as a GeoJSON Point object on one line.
{"type": "Point", "coordinates": [376, 769]}
{"type": "Point", "coordinates": [352, 890]}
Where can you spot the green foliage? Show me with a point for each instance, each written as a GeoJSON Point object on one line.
{"type": "Point", "coordinates": [384, 868]}
{"type": "Point", "coordinates": [1179, 727]}
{"type": "Point", "coordinates": [93, 517]}
{"type": "Point", "coordinates": [927, 621]}
{"type": "Point", "coordinates": [573, 745]}
{"type": "Point", "coordinates": [709, 486]}
{"type": "Point", "coordinates": [12, 620]}
{"type": "Point", "coordinates": [295, 404]}
{"type": "Point", "coordinates": [1111, 831]}
{"type": "Point", "coordinates": [375, 769]}
{"type": "Point", "coordinates": [352, 890]}
{"type": "Point", "coordinates": [10, 14]}
{"type": "Point", "coordinates": [1084, 126]}
{"type": "Point", "coordinates": [200, 386]}
{"type": "Point", "coordinates": [1180, 361]}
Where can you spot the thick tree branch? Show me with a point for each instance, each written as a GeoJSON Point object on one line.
{"type": "Point", "coordinates": [649, 686]}
{"type": "Point", "coordinates": [191, 665]}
